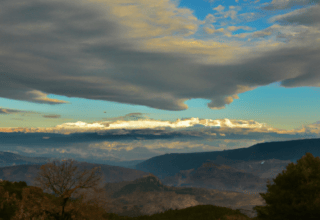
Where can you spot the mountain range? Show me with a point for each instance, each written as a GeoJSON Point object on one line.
{"type": "Point", "coordinates": [182, 180]}
{"type": "Point", "coordinates": [173, 163]}
{"type": "Point", "coordinates": [13, 159]}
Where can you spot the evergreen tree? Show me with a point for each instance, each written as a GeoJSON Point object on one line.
{"type": "Point", "coordinates": [295, 193]}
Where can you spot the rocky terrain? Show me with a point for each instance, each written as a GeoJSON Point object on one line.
{"type": "Point", "coordinates": [246, 176]}
{"type": "Point", "coordinates": [168, 165]}
{"type": "Point", "coordinates": [147, 196]}
{"type": "Point", "coordinates": [133, 192]}
{"type": "Point", "coordinates": [232, 178]}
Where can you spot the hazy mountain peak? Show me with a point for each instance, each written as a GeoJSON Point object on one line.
{"type": "Point", "coordinates": [148, 183]}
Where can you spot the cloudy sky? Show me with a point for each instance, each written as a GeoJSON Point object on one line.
{"type": "Point", "coordinates": [133, 79]}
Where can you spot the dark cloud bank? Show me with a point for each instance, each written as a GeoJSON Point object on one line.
{"type": "Point", "coordinates": [75, 49]}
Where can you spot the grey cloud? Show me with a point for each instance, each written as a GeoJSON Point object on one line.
{"type": "Point", "coordinates": [78, 52]}
{"type": "Point", "coordinates": [285, 4]}
{"type": "Point", "coordinates": [188, 79]}
{"type": "Point", "coordinates": [306, 16]}
{"type": "Point", "coordinates": [8, 111]}
{"type": "Point", "coordinates": [51, 116]}
{"type": "Point", "coordinates": [129, 117]}
{"type": "Point", "coordinates": [12, 111]}
{"type": "Point", "coordinates": [264, 33]}
{"type": "Point", "coordinates": [134, 115]}
{"type": "Point", "coordinates": [35, 44]}
{"type": "Point", "coordinates": [248, 17]}
{"type": "Point", "coordinates": [218, 103]}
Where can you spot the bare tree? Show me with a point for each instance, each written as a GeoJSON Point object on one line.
{"type": "Point", "coordinates": [65, 181]}
{"type": "Point", "coordinates": [36, 205]}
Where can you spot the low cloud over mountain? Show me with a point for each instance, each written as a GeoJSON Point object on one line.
{"type": "Point", "coordinates": [140, 139]}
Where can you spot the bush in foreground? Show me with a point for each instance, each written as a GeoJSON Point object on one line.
{"type": "Point", "coordinates": [295, 194]}
{"type": "Point", "coordinates": [37, 205]}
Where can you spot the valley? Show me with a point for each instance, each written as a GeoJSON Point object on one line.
{"type": "Point", "coordinates": [174, 181]}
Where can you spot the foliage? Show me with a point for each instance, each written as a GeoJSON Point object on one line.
{"type": "Point", "coordinates": [14, 188]}
{"type": "Point", "coordinates": [8, 204]}
{"type": "Point", "coordinates": [37, 205]}
{"type": "Point", "coordinates": [19, 201]}
{"type": "Point", "coordinates": [204, 212]}
{"type": "Point", "coordinates": [295, 193]}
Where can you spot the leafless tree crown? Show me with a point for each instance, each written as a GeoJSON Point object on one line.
{"type": "Point", "coordinates": [63, 178]}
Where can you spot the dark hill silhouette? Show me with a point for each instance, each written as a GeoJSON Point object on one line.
{"type": "Point", "coordinates": [12, 159]}
{"type": "Point", "coordinates": [147, 196]}
{"type": "Point", "coordinates": [145, 184]}
{"type": "Point", "coordinates": [224, 176]}
{"type": "Point", "coordinates": [170, 164]}
{"type": "Point", "coordinates": [110, 173]}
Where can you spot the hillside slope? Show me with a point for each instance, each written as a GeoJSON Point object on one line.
{"type": "Point", "coordinates": [171, 164]}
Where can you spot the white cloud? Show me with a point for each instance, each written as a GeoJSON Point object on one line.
{"type": "Point", "coordinates": [247, 17]}
{"type": "Point", "coordinates": [210, 18]}
{"type": "Point", "coordinates": [161, 127]}
{"type": "Point", "coordinates": [213, 30]}
{"type": "Point", "coordinates": [219, 8]}
{"type": "Point", "coordinates": [231, 13]}
{"type": "Point", "coordinates": [263, 33]}
{"type": "Point", "coordinates": [235, 28]}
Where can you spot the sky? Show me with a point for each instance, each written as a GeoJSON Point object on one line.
{"type": "Point", "coordinates": [133, 79]}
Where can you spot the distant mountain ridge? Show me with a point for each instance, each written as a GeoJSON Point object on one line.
{"type": "Point", "coordinates": [110, 173]}
{"type": "Point", "coordinates": [245, 169]}
{"type": "Point", "coordinates": [12, 159]}
{"type": "Point", "coordinates": [205, 176]}
{"type": "Point", "coordinates": [170, 164]}
{"type": "Point", "coordinates": [148, 183]}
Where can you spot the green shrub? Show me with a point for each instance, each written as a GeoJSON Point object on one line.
{"type": "Point", "coordinates": [295, 193]}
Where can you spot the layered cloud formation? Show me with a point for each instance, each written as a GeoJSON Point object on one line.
{"type": "Point", "coordinates": [143, 138]}
{"type": "Point", "coordinates": [150, 53]}
{"type": "Point", "coordinates": [158, 127]}
{"type": "Point", "coordinates": [143, 53]}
